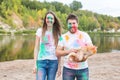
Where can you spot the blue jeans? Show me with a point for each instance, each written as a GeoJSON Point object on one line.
{"type": "Point", "coordinates": [46, 69]}
{"type": "Point", "coordinates": [71, 74]}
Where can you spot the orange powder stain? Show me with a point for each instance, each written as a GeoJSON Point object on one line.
{"type": "Point", "coordinates": [80, 36]}
{"type": "Point", "coordinates": [66, 37]}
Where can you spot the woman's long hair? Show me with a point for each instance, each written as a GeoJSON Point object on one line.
{"type": "Point", "coordinates": [56, 30]}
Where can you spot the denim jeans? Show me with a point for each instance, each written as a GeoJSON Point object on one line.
{"type": "Point", "coordinates": [46, 69]}
{"type": "Point", "coordinates": [71, 74]}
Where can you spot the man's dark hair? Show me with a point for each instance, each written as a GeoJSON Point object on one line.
{"type": "Point", "coordinates": [72, 16]}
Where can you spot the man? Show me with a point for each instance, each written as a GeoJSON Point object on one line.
{"type": "Point", "coordinates": [70, 42]}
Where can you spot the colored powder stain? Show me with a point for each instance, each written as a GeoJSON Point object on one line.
{"type": "Point", "coordinates": [60, 39]}
{"type": "Point", "coordinates": [48, 37]}
{"type": "Point", "coordinates": [38, 76]}
{"type": "Point", "coordinates": [74, 28]}
{"type": "Point", "coordinates": [42, 49]}
{"type": "Point", "coordinates": [48, 53]}
{"type": "Point", "coordinates": [49, 19]}
{"type": "Point", "coordinates": [66, 37]}
{"type": "Point", "coordinates": [82, 64]}
{"type": "Point", "coordinates": [38, 65]}
{"type": "Point", "coordinates": [69, 26]}
{"type": "Point", "coordinates": [77, 33]}
{"type": "Point", "coordinates": [72, 65]}
{"type": "Point", "coordinates": [81, 43]}
{"type": "Point", "coordinates": [85, 76]}
{"type": "Point", "coordinates": [80, 36]}
{"type": "Point", "coordinates": [45, 39]}
{"type": "Point", "coordinates": [75, 43]}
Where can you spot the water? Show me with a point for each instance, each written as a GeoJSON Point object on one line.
{"type": "Point", "coordinates": [16, 47]}
{"type": "Point", "coordinates": [106, 43]}
{"type": "Point", "coordinates": [22, 46]}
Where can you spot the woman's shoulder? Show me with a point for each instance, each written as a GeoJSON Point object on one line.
{"type": "Point", "coordinates": [39, 29]}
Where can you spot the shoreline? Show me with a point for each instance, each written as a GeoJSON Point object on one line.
{"type": "Point", "coordinates": [102, 66]}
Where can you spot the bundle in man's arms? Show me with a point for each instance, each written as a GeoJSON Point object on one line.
{"type": "Point", "coordinates": [83, 53]}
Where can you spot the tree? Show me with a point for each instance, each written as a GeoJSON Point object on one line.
{"type": "Point", "coordinates": [83, 23]}
{"type": "Point", "coordinates": [103, 26]}
{"type": "Point", "coordinates": [75, 5]}
{"type": "Point", "coordinates": [118, 17]}
{"type": "Point", "coordinates": [61, 7]}
{"type": "Point", "coordinates": [92, 23]}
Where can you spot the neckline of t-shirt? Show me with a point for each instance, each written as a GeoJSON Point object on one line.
{"type": "Point", "coordinates": [74, 33]}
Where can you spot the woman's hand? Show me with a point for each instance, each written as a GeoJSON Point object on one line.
{"type": "Point", "coordinates": [34, 69]}
{"type": "Point", "coordinates": [59, 71]}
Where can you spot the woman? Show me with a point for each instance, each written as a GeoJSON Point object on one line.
{"type": "Point", "coordinates": [45, 59]}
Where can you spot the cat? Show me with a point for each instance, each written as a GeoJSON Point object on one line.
{"type": "Point", "coordinates": [82, 53]}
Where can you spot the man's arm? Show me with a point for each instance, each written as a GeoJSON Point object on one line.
{"type": "Point", "coordinates": [60, 51]}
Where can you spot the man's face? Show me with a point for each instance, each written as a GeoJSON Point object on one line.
{"type": "Point", "coordinates": [72, 25]}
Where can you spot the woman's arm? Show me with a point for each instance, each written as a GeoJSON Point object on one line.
{"type": "Point", "coordinates": [59, 67]}
{"type": "Point", "coordinates": [36, 50]}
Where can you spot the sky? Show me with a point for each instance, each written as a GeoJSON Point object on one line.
{"type": "Point", "coordinates": [106, 7]}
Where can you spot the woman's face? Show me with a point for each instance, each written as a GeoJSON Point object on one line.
{"type": "Point", "coordinates": [49, 19]}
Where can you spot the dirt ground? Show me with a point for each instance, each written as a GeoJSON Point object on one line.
{"type": "Point", "coordinates": [104, 66]}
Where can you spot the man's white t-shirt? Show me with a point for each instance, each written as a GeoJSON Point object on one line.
{"type": "Point", "coordinates": [72, 41]}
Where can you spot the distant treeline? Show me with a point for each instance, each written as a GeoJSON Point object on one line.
{"type": "Point", "coordinates": [29, 14]}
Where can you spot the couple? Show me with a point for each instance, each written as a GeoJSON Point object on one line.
{"type": "Point", "coordinates": [50, 45]}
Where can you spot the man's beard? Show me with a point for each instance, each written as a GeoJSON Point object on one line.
{"type": "Point", "coordinates": [73, 29]}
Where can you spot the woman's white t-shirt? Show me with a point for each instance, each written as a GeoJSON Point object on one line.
{"type": "Point", "coordinates": [47, 47]}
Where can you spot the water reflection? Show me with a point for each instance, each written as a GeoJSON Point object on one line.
{"type": "Point", "coordinates": [21, 47]}
{"type": "Point", "coordinates": [16, 47]}
{"type": "Point", "coordinates": [106, 43]}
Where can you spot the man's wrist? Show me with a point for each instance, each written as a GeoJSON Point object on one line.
{"type": "Point", "coordinates": [67, 52]}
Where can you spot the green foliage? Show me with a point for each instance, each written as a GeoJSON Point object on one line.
{"type": "Point", "coordinates": [62, 20]}
{"type": "Point", "coordinates": [32, 4]}
{"type": "Point", "coordinates": [75, 5]}
{"type": "Point", "coordinates": [4, 32]}
{"type": "Point", "coordinates": [60, 7]}
{"type": "Point", "coordinates": [29, 31]}
{"type": "Point", "coordinates": [32, 12]}
{"type": "Point", "coordinates": [83, 22]}
{"type": "Point", "coordinates": [118, 17]}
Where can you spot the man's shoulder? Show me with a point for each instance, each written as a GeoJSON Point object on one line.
{"type": "Point", "coordinates": [83, 32]}
{"type": "Point", "coordinates": [67, 33]}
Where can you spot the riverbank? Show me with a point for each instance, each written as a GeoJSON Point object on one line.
{"type": "Point", "coordinates": [104, 66]}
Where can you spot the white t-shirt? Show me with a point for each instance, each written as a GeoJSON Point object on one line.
{"type": "Point", "coordinates": [47, 47]}
{"type": "Point", "coordinates": [72, 41]}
